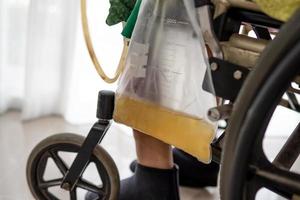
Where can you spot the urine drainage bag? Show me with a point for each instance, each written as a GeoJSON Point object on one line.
{"type": "Point", "coordinates": [160, 91]}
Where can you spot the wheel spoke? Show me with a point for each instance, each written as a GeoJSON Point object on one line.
{"type": "Point", "coordinates": [84, 184]}
{"type": "Point", "coordinates": [49, 195]}
{"type": "Point", "coordinates": [250, 190]}
{"type": "Point", "coordinates": [73, 194]}
{"type": "Point", "coordinates": [41, 168]}
{"type": "Point", "coordinates": [59, 162]}
{"type": "Point", "coordinates": [290, 151]}
{"type": "Point", "coordinates": [293, 101]}
{"type": "Point", "coordinates": [51, 183]}
{"type": "Point", "coordinates": [280, 181]}
{"type": "Point", "coordinates": [103, 175]}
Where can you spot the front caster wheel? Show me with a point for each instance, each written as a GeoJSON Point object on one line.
{"type": "Point", "coordinates": [52, 148]}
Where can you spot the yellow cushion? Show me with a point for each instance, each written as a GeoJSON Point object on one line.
{"type": "Point", "coordinates": [279, 9]}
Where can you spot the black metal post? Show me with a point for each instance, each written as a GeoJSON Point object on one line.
{"type": "Point", "coordinates": [105, 110]}
{"type": "Point", "coordinates": [82, 159]}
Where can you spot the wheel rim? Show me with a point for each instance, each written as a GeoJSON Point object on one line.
{"type": "Point", "coordinates": [41, 186]}
{"type": "Point", "coordinates": [261, 173]}
{"type": "Point", "coordinates": [251, 169]}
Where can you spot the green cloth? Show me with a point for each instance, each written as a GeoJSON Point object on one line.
{"type": "Point", "coordinates": [119, 11]}
{"type": "Point", "coordinates": [128, 29]}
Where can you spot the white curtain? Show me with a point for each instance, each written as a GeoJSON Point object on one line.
{"type": "Point", "coordinates": [44, 65]}
{"type": "Point", "coordinates": [13, 28]}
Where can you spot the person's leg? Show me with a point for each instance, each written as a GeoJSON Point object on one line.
{"type": "Point", "coordinates": [152, 152]}
{"type": "Point", "coordinates": [192, 173]}
{"type": "Point", "coordinates": [155, 175]}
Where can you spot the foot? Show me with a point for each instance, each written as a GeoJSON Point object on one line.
{"type": "Point", "coordinates": [192, 173]}
{"type": "Point", "coordinates": [147, 183]}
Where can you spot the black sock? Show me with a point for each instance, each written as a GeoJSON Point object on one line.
{"type": "Point", "coordinates": [148, 184]}
{"type": "Point", "coordinates": [192, 173]}
{"type": "Point", "coordinates": [151, 184]}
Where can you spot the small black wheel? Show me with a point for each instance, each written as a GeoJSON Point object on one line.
{"type": "Point", "coordinates": [51, 149]}
{"type": "Point", "coordinates": [245, 168]}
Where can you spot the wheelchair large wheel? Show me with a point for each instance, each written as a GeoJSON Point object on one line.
{"type": "Point", "coordinates": [245, 168]}
{"type": "Point", "coordinates": [51, 148]}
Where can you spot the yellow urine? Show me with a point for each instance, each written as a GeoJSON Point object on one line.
{"type": "Point", "coordinates": [190, 134]}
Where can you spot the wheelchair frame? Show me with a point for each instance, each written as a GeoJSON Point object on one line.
{"type": "Point", "coordinates": [234, 56]}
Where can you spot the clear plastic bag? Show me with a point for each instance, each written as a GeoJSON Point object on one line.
{"type": "Point", "coordinates": [160, 92]}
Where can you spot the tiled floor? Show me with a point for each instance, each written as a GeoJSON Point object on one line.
{"type": "Point", "coordinates": [17, 140]}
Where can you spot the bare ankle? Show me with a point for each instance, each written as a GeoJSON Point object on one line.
{"type": "Point", "coordinates": [152, 152]}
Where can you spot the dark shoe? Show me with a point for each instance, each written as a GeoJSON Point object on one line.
{"type": "Point", "coordinates": [192, 173]}
{"type": "Point", "coordinates": [91, 196]}
{"type": "Point", "coordinates": [148, 184]}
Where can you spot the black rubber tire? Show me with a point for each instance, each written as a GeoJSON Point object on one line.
{"type": "Point", "coordinates": [73, 139]}
{"type": "Point", "coordinates": [260, 94]}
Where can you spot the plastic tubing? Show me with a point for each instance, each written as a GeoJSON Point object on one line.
{"type": "Point", "coordinates": [89, 44]}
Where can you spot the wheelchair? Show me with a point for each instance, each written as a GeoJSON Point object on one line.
{"type": "Point", "coordinates": [252, 76]}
